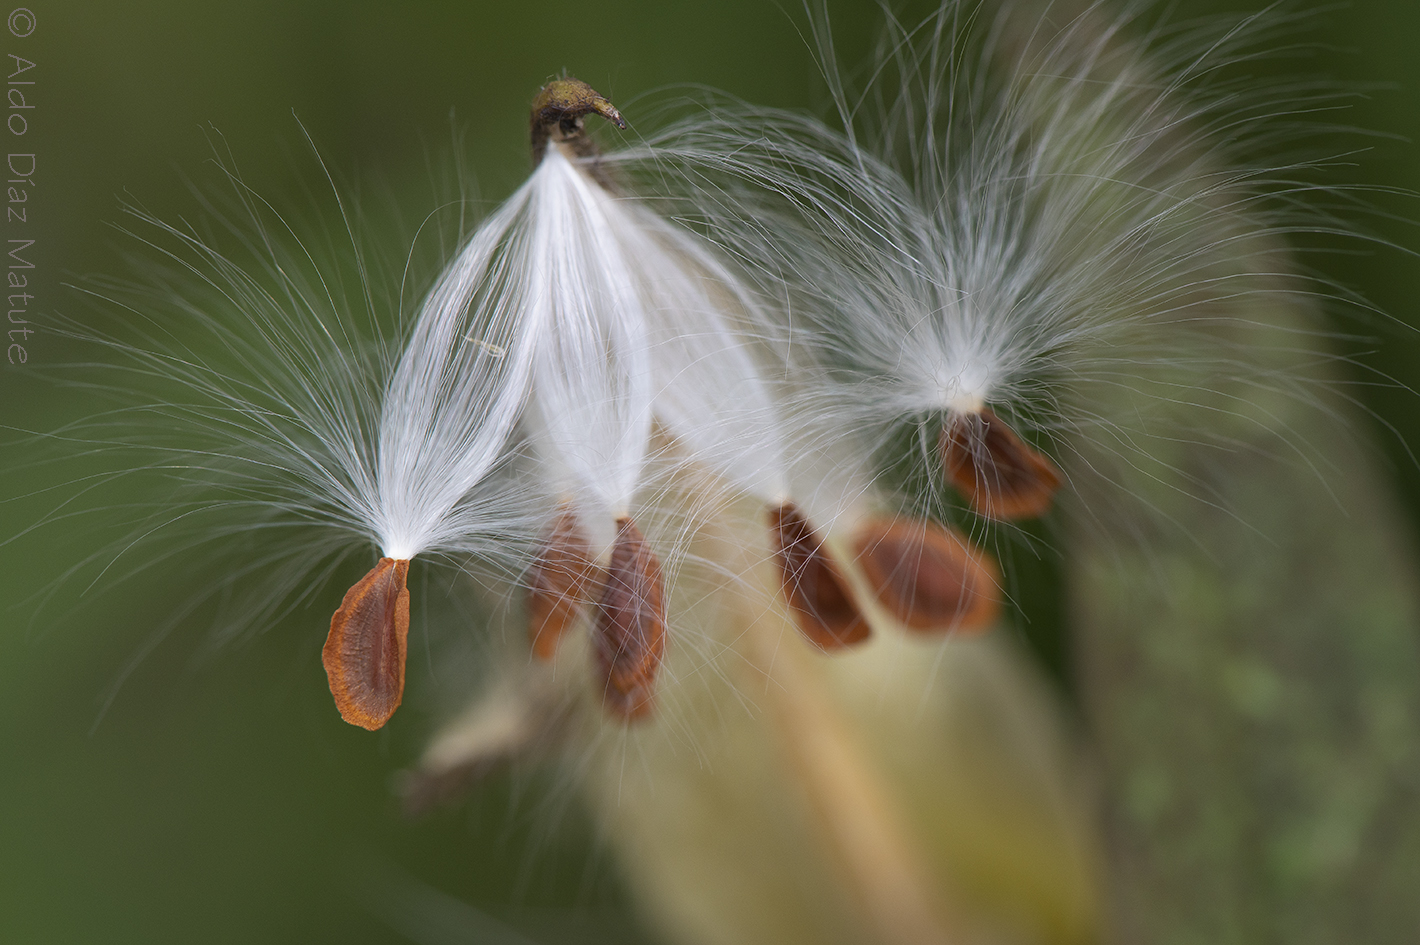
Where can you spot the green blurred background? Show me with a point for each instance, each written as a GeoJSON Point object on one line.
{"type": "Point", "coordinates": [222, 800]}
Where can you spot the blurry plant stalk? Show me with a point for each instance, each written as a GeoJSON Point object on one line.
{"type": "Point", "coordinates": [912, 788]}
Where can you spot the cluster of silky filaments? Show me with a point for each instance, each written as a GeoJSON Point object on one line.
{"type": "Point", "coordinates": [738, 319]}
{"type": "Point", "coordinates": [987, 257]}
{"type": "Point", "coordinates": [613, 348]}
{"type": "Point", "coordinates": [248, 371]}
{"type": "Point", "coordinates": [1008, 232]}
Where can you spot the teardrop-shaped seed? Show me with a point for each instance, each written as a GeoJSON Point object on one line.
{"type": "Point", "coordinates": [813, 585]}
{"type": "Point", "coordinates": [365, 651]}
{"type": "Point", "coordinates": [1000, 474]}
{"type": "Point", "coordinates": [630, 635]}
{"type": "Point", "coordinates": [560, 584]}
{"type": "Point", "coordinates": [928, 576]}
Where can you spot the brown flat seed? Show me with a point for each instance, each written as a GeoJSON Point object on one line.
{"type": "Point", "coordinates": [560, 584]}
{"type": "Point", "coordinates": [813, 585]}
{"type": "Point", "coordinates": [928, 576]}
{"type": "Point", "coordinates": [630, 636]}
{"type": "Point", "coordinates": [1000, 474]}
{"type": "Point", "coordinates": [364, 654]}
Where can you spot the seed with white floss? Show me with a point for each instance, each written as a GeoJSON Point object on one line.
{"type": "Point", "coordinates": [453, 399]}
{"type": "Point", "coordinates": [591, 397]}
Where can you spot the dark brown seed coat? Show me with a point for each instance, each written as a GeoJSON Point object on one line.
{"type": "Point", "coordinates": [1000, 474]}
{"type": "Point", "coordinates": [630, 635]}
{"type": "Point", "coordinates": [813, 585]}
{"type": "Point", "coordinates": [560, 583]}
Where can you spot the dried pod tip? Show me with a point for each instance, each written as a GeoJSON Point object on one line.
{"type": "Point", "coordinates": [560, 583]}
{"type": "Point", "coordinates": [928, 576]}
{"type": "Point", "coordinates": [1000, 474]}
{"type": "Point", "coordinates": [365, 652]}
{"type": "Point", "coordinates": [630, 636]}
{"type": "Point", "coordinates": [557, 114]}
{"type": "Point", "coordinates": [813, 585]}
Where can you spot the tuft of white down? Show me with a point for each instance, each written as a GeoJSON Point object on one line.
{"type": "Point", "coordinates": [1026, 228]}
{"type": "Point", "coordinates": [633, 320]}
{"type": "Point", "coordinates": [712, 392]}
{"type": "Point", "coordinates": [456, 394]}
{"type": "Point", "coordinates": [592, 382]}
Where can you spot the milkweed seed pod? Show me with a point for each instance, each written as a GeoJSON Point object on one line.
{"type": "Point", "coordinates": [1285, 673]}
{"type": "Point", "coordinates": [1074, 224]}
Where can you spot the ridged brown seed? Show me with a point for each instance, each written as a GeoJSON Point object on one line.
{"type": "Point", "coordinates": [365, 652]}
{"type": "Point", "coordinates": [928, 576]}
{"type": "Point", "coordinates": [813, 585]}
{"type": "Point", "coordinates": [562, 581]}
{"type": "Point", "coordinates": [629, 640]}
{"type": "Point", "coordinates": [1000, 474]}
